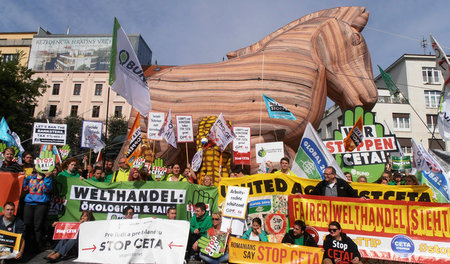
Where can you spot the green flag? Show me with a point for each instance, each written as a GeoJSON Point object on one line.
{"type": "Point", "coordinates": [389, 83]}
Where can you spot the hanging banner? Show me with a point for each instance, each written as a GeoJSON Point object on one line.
{"type": "Point", "coordinates": [145, 240]}
{"type": "Point", "coordinates": [272, 151]}
{"type": "Point", "coordinates": [48, 133]}
{"type": "Point", "coordinates": [167, 131]}
{"type": "Point", "coordinates": [276, 184]}
{"type": "Point", "coordinates": [155, 123]}
{"type": "Point", "coordinates": [148, 199]}
{"type": "Point", "coordinates": [185, 131]}
{"type": "Point", "coordinates": [369, 158]}
{"type": "Point", "coordinates": [248, 251]}
{"type": "Point", "coordinates": [135, 138]}
{"type": "Point", "coordinates": [401, 163]}
{"type": "Point", "coordinates": [66, 230]}
{"type": "Point", "coordinates": [9, 244]}
{"type": "Point", "coordinates": [236, 202]}
{"type": "Point", "coordinates": [389, 230]}
{"type": "Point", "coordinates": [95, 127]}
{"type": "Point", "coordinates": [241, 145]}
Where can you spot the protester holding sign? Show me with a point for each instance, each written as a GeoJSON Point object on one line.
{"type": "Point", "coordinates": [123, 173]}
{"type": "Point", "coordinates": [218, 237]}
{"type": "Point", "coordinates": [37, 187]}
{"type": "Point", "coordinates": [65, 245]}
{"type": "Point", "coordinates": [333, 186]}
{"type": "Point", "coordinates": [339, 248]}
{"type": "Point", "coordinates": [298, 236]}
{"type": "Point", "coordinates": [8, 164]}
{"type": "Point", "coordinates": [189, 174]}
{"type": "Point", "coordinates": [9, 222]}
{"type": "Point", "coordinates": [255, 233]}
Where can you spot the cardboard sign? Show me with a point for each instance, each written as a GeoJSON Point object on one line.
{"type": "Point", "coordinates": [236, 202]}
{"type": "Point", "coordinates": [64, 230]}
{"type": "Point", "coordinates": [155, 122]}
{"type": "Point", "coordinates": [96, 128]}
{"type": "Point", "coordinates": [144, 240]}
{"type": "Point", "coordinates": [9, 244]}
{"type": "Point", "coordinates": [272, 151]}
{"type": "Point", "coordinates": [185, 131]}
{"type": "Point", "coordinates": [48, 133]}
{"type": "Point", "coordinates": [241, 145]}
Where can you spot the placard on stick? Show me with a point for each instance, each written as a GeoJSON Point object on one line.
{"type": "Point", "coordinates": [236, 202]}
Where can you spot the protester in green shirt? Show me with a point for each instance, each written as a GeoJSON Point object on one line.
{"type": "Point", "coordinates": [70, 169]}
{"type": "Point", "coordinates": [298, 236]}
{"type": "Point", "coordinates": [199, 226]}
{"type": "Point", "coordinates": [109, 173]}
{"type": "Point", "coordinates": [97, 175]}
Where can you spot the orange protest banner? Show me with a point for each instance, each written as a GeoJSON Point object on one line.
{"type": "Point", "coordinates": [11, 188]}
{"type": "Point", "coordinates": [247, 251]}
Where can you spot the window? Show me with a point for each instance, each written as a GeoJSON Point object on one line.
{"type": "Point", "coordinates": [55, 90]}
{"type": "Point", "coordinates": [96, 111]}
{"type": "Point", "coordinates": [98, 89]}
{"type": "Point", "coordinates": [74, 110]}
{"type": "Point", "coordinates": [10, 57]}
{"type": "Point", "coordinates": [118, 111]}
{"type": "Point", "coordinates": [431, 121]}
{"type": "Point", "coordinates": [52, 112]}
{"type": "Point", "coordinates": [430, 75]}
{"type": "Point", "coordinates": [319, 132]}
{"type": "Point", "coordinates": [340, 121]}
{"type": "Point", "coordinates": [329, 131]}
{"type": "Point", "coordinates": [436, 144]}
{"type": "Point", "coordinates": [432, 98]}
{"type": "Point", "coordinates": [77, 89]}
{"type": "Point", "coordinates": [405, 144]}
{"type": "Point", "coordinates": [401, 121]}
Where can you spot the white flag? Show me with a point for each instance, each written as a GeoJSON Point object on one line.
{"type": "Point", "coordinates": [167, 131]}
{"type": "Point", "coordinates": [197, 160]}
{"type": "Point", "coordinates": [313, 157]}
{"type": "Point", "coordinates": [443, 64]}
{"type": "Point", "coordinates": [93, 141]}
{"type": "Point", "coordinates": [126, 76]}
{"type": "Point", "coordinates": [220, 133]}
{"type": "Point", "coordinates": [423, 160]}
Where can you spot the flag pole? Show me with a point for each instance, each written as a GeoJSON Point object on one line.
{"type": "Point", "coordinates": [187, 155]}
{"type": "Point", "coordinates": [106, 126]}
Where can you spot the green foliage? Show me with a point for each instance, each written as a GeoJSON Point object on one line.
{"type": "Point", "coordinates": [74, 132]}
{"type": "Point", "coordinates": [18, 95]}
{"type": "Point", "coordinates": [117, 126]}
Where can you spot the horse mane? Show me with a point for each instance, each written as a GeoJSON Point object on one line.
{"type": "Point", "coordinates": [355, 16]}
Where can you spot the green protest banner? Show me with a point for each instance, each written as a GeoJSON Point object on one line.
{"type": "Point", "coordinates": [401, 163]}
{"type": "Point", "coordinates": [148, 198]}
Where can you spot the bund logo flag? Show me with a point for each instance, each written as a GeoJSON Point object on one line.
{"type": "Point", "coordinates": [442, 64]}
{"type": "Point", "coordinates": [134, 150]}
{"type": "Point", "coordinates": [355, 136]}
{"type": "Point", "coordinates": [220, 133]}
{"type": "Point", "coordinates": [126, 76]}
{"type": "Point", "coordinates": [167, 131]}
{"type": "Point", "coordinates": [276, 110]}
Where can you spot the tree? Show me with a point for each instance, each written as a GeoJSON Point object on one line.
{"type": "Point", "coordinates": [74, 131]}
{"type": "Point", "coordinates": [117, 126]}
{"type": "Point", "coordinates": [18, 95]}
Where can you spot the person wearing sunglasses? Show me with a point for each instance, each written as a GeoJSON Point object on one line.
{"type": "Point", "coordinates": [298, 236]}
{"type": "Point", "coordinates": [339, 248]}
{"type": "Point", "coordinates": [333, 186]}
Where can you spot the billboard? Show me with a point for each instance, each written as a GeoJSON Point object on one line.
{"type": "Point", "coordinates": [70, 53]}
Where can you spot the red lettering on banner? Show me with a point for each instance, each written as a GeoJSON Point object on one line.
{"type": "Point", "coordinates": [330, 147]}
{"type": "Point", "coordinates": [336, 209]}
{"type": "Point", "coordinates": [414, 222]}
{"type": "Point", "coordinates": [261, 253]}
{"type": "Point", "coordinates": [311, 211]}
{"type": "Point", "coordinates": [378, 145]}
{"type": "Point", "coordinates": [325, 213]}
{"type": "Point", "coordinates": [429, 220]}
{"type": "Point", "coordinates": [268, 252]}
{"type": "Point", "coordinates": [387, 217]}
{"type": "Point", "coordinates": [437, 220]}
{"type": "Point", "coordinates": [283, 255]}
{"type": "Point", "coordinates": [388, 143]}
{"type": "Point", "coordinates": [371, 216]}
{"type": "Point", "coordinates": [380, 221]}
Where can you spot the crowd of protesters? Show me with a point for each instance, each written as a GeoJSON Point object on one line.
{"type": "Point", "coordinates": [38, 186]}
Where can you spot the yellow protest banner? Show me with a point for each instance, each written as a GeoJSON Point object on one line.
{"type": "Point", "coordinates": [276, 184]}
{"type": "Point", "coordinates": [247, 251]}
{"type": "Point", "coordinates": [9, 244]}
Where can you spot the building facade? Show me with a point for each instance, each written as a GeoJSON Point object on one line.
{"type": "Point", "coordinates": [413, 113]}
{"type": "Point", "coordinates": [14, 43]}
{"type": "Point", "coordinates": [76, 71]}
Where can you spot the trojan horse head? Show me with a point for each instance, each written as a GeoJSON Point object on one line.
{"type": "Point", "coordinates": [342, 50]}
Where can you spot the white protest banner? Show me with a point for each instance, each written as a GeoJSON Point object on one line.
{"type": "Point", "coordinates": [236, 202]}
{"type": "Point", "coordinates": [95, 127]}
{"type": "Point", "coordinates": [272, 151]}
{"type": "Point", "coordinates": [241, 145]}
{"type": "Point", "coordinates": [49, 134]}
{"type": "Point", "coordinates": [66, 230]}
{"type": "Point", "coordinates": [146, 240]}
{"type": "Point", "coordinates": [185, 131]}
{"type": "Point", "coordinates": [197, 160]}
{"type": "Point", "coordinates": [155, 123]}
{"type": "Point", "coordinates": [220, 133]}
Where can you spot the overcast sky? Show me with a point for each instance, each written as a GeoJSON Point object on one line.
{"type": "Point", "coordinates": [200, 31]}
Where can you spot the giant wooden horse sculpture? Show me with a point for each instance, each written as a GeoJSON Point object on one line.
{"type": "Point", "coordinates": [321, 54]}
